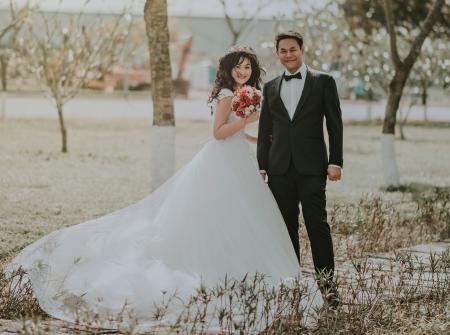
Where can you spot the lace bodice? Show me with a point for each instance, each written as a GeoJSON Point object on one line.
{"type": "Point", "coordinates": [225, 92]}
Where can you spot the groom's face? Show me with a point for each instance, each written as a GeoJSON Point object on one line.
{"type": "Point", "coordinates": [290, 54]}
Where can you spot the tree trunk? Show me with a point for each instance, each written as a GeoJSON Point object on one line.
{"type": "Point", "coordinates": [62, 127]}
{"type": "Point", "coordinates": [402, 133]}
{"type": "Point", "coordinates": [401, 122]}
{"type": "Point", "coordinates": [425, 99]}
{"type": "Point", "coordinates": [3, 105]}
{"type": "Point", "coordinates": [126, 82]}
{"type": "Point", "coordinates": [4, 69]}
{"type": "Point", "coordinates": [155, 16]}
{"type": "Point", "coordinates": [390, 169]}
{"type": "Point", "coordinates": [369, 105]}
{"type": "Point", "coordinates": [395, 94]}
{"type": "Point", "coordinates": [163, 154]}
{"type": "Point", "coordinates": [402, 70]}
{"type": "Point", "coordinates": [235, 39]}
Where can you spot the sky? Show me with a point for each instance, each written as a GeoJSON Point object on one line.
{"type": "Point", "coordinates": [204, 8]}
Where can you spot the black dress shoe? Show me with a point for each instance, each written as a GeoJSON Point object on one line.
{"type": "Point", "coordinates": [332, 300]}
{"type": "Point", "coordinates": [330, 296]}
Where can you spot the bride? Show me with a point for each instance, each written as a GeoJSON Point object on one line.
{"type": "Point", "coordinates": [214, 217]}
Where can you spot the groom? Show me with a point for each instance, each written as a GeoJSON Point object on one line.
{"type": "Point", "coordinates": [293, 154]}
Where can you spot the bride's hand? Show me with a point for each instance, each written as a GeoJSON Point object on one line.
{"type": "Point", "coordinates": [252, 117]}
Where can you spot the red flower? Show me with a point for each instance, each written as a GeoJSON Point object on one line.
{"type": "Point", "coordinates": [246, 100]}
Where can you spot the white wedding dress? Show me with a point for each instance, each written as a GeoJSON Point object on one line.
{"type": "Point", "coordinates": [214, 217]}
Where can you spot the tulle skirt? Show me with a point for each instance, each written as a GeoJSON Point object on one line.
{"type": "Point", "coordinates": [214, 218]}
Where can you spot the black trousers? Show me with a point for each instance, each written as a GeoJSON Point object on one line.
{"type": "Point", "coordinates": [289, 190]}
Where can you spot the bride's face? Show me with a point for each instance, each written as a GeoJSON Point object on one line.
{"type": "Point", "coordinates": [242, 71]}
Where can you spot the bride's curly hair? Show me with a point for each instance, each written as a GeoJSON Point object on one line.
{"type": "Point", "coordinates": [234, 57]}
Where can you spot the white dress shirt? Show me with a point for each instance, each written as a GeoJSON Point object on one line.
{"type": "Point", "coordinates": [291, 90]}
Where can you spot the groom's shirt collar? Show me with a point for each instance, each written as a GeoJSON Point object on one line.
{"type": "Point", "coordinates": [302, 69]}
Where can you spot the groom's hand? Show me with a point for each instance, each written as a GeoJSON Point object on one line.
{"type": "Point", "coordinates": [334, 173]}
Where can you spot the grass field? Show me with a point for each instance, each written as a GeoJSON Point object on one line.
{"type": "Point", "coordinates": [108, 167]}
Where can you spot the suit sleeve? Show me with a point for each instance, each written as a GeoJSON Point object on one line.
{"type": "Point", "coordinates": [264, 133]}
{"type": "Point", "coordinates": [333, 117]}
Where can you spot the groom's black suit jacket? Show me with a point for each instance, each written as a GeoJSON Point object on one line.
{"type": "Point", "coordinates": [302, 138]}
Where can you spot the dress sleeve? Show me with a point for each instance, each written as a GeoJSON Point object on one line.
{"type": "Point", "coordinates": [224, 92]}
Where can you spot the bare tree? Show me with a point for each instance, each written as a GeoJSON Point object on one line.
{"type": "Point", "coordinates": [239, 26]}
{"type": "Point", "coordinates": [403, 115]}
{"type": "Point", "coordinates": [163, 133]}
{"type": "Point", "coordinates": [402, 68]}
{"type": "Point", "coordinates": [431, 69]}
{"type": "Point", "coordinates": [17, 18]}
{"type": "Point", "coordinates": [66, 56]}
{"type": "Point", "coordinates": [8, 40]}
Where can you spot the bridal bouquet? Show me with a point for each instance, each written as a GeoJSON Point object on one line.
{"type": "Point", "coordinates": [246, 100]}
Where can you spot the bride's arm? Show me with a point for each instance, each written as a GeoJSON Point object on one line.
{"type": "Point", "coordinates": [251, 139]}
{"type": "Point", "coordinates": [223, 130]}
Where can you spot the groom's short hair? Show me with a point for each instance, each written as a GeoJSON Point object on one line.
{"type": "Point", "coordinates": [289, 34]}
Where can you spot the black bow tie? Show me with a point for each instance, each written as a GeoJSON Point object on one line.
{"type": "Point", "coordinates": [298, 75]}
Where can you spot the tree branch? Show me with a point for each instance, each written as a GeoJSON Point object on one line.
{"type": "Point", "coordinates": [424, 32]}
{"type": "Point", "coordinates": [17, 19]}
{"type": "Point", "coordinates": [246, 20]}
{"type": "Point", "coordinates": [387, 6]}
{"type": "Point", "coordinates": [228, 21]}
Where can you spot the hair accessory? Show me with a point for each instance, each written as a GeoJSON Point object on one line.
{"type": "Point", "coordinates": [241, 48]}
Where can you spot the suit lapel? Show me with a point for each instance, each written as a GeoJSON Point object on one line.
{"type": "Point", "coordinates": [309, 83]}
{"type": "Point", "coordinates": [277, 88]}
